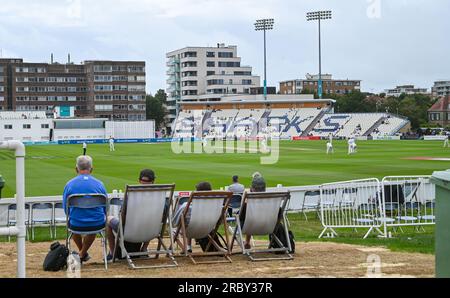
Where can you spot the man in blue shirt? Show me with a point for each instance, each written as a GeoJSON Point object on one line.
{"type": "Point", "coordinates": [84, 220]}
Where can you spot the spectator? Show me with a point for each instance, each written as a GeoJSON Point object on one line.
{"type": "Point", "coordinates": [202, 186]}
{"type": "Point", "coordinates": [146, 176]}
{"type": "Point", "coordinates": [236, 187]}
{"type": "Point", "coordinates": [258, 185]}
{"type": "Point", "coordinates": [84, 220]}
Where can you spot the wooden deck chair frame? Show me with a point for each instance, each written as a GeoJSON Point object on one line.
{"type": "Point", "coordinates": [161, 248]}
{"type": "Point", "coordinates": [102, 201]}
{"type": "Point", "coordinates": [280, 217]}
{"type": "Point", "coordinates": [182, 230]}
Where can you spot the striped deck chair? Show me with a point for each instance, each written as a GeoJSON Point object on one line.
{"type": "Point", "coordinates": [260, 214]}
{"type": "Point", "coordinates": [144, 216]}
{"type": "Point", "coordinates": [203, 214]}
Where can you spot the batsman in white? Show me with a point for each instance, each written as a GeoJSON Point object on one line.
{"type": "Point", "coordinates": [446, 145]}
{"type": "Point", "coordinates": [111, 144]}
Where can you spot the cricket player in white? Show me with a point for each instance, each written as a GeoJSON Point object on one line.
{"type": "Point", "coordinates": [84, 148]}
{"type": "Point", "coordinates": [264, 144]}
{"type": "Point", "coordinates": [330, 147]}
{"type": "Point", "coordinates": [446, 145]}
{"type": "Point", "coordinates": [351, 145]}
{"type": "Point", "coordinates": [111, 144]}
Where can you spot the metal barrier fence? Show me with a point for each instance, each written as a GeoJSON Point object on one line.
{"type": "Point", "coordinates": [351, 204]}
{"type": "Point", "coordinates": [408, 201]}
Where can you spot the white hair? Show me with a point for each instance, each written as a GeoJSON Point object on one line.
{"type": "Point", "coordinates": [84, 163]}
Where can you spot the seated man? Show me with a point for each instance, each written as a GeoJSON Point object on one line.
{"type": "Point", "coordinates": [258, 185]}
{"type": "Point", "coordinates": [84, 220]}
{"type": "Point", "coordinates": [236, 187]}
{"type": "Point", "coordinates": [146, 176]}
{"type": "Point", "coordinates": [202, 186]}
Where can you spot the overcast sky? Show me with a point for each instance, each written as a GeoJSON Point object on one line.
{"type": "Point", "coordinates": [381, 42]}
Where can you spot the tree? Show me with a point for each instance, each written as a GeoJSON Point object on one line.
{"type": "Point", "coordinates": [155, 108]}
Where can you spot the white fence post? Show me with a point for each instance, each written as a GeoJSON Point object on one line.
{"type": "Point", "coordinates": [20, 229]}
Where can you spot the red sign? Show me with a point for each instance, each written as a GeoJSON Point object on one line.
{"type": "Point", "coordinates": [310, 138]}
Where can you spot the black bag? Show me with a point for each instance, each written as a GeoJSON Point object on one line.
{"type": "Point", "coordinates": [131, 247]}
{"type": "Point", "coordinates": [56, 258]}
{"type": "Point", "coordinates": [281, 235]}
{"type": "Point", "coordinates": [203, 242]}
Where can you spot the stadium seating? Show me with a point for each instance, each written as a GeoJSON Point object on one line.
{"type": "Point", "coordinates": [390, 126]}
{"type": "Point", "coordinates": [283, 123]}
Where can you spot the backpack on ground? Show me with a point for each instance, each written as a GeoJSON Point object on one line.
{"type": "Point", "coordinates": [56, 258]}
{"type": "Point", "coordinates": [281, 235]}
{"type": "Point", "coordinates": [203, 242]}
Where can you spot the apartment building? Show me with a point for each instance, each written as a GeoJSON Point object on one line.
{"type": "Point", "coordinates": [440, 88]}
{"type": "Point", "coordinates": [206, 74]}
{"type": "Point", "coordinates": [311, 85]}
{"type": "Point", "coordinates": [101, 89]}
{"type": "Point", "coordinates": [405, 89]}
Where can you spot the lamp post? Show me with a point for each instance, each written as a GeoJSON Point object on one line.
{"type": "Point", "coordinates": [313, 16]}
{"type": "Point", "coordinates": [264, 25]}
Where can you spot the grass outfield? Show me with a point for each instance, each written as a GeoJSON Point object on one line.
{"type": "Point", "coordinates": [48, 168]}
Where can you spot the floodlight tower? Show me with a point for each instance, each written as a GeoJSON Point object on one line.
{"type": "Point", "coordinates": [313, 16]}
{"type": "Point", "coordinates": [263, 25]}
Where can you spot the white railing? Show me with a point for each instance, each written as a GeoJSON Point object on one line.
{"type": "Point", "coordinates": [351, 204]}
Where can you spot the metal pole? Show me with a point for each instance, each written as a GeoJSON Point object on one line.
{"type": "Point", "coordinates": [265, 68]}
{"type": "Point", "coordinates": [320, 66]}
{"type": "Point", "coordinates": [20, 228]}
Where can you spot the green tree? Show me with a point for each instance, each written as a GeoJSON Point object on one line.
{"type": "Point", "coordinates": [156, 109]}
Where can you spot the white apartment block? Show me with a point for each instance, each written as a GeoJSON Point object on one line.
{"type": "Point", "coordinates": [406, 89]}
{"type": "Point", "coordinates": [441, 88]}
{"type": "Point", "coordinates": [206, 74]}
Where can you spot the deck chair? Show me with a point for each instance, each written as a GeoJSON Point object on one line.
{"type": "Point", "coordinates": [260, 213]}
{"type": "Point", "coordinates": [207, 211]}
{"type": "Point", "coordinates": [144, 216]}
{"type": "Point", "coordinates": [87, 201]}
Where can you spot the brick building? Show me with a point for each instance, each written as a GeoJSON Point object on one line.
{"type": "Point", "coordinates": [100, 89]}
{"type": "Point", "coordinates": [311, 84]}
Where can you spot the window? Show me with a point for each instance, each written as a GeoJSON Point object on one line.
{"type": "Point", "coordinates": [242, 73]}
{"type": "Point", "coordinates": [210, 73]}
{"type": "Point", "coordinates": [45, 126]}
{"type": "Point", "coordinates": [132, 88]}
{"type": "Point", "coordinates": [210, 64]}
{"type": "Point", "coordinates": [210, 54]}
{"type": "Point", "coordinates": [189, 54]}
{"type": "Point", "coordinates": [102, 87]}
{"type": "Point", "coordinates": [229, 64]}
{"type": "Point", "coordinates": [246, 82]}
{"type": "Point", "coordinates": [225, 54]}
{"type": "Point", "coordinates": [102, 68]}
{"type": "Point", "coordinates": [27, 126]}
{"type": "Point", "coordinates": [103, 107]}
{"type": "Point", "coordinates": [136, 68]}
{"type": "Point", "coordinates": [215, 82]}
{"type": "Point", "coordinates": [8, 126]}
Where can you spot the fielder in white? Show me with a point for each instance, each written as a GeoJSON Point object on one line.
{"type": "Point", "coordinates": [330, 148]}
{"type": "Point", "coordinates": [264, 144]}
{"type": "Point", "coordinates": [446, 145]}
{"type": "Point", "coordinates": [351, 145]}
{"type": "Point", "coordinates": [111, 144]}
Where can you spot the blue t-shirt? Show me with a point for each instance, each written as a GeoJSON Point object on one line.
{"type": "Point", "coordinates": [85, 184]}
